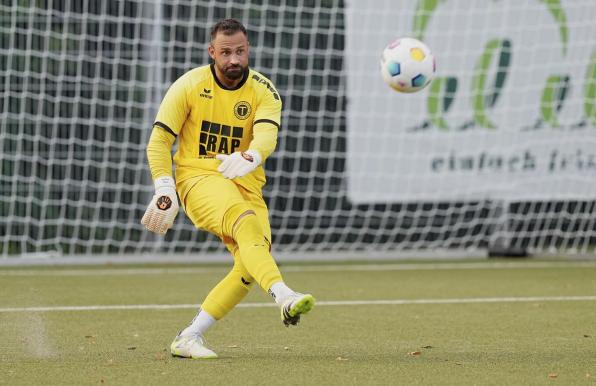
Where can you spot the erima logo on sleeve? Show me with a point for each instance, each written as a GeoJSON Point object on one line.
{"type": "Point", "coordinates": [263, 81]}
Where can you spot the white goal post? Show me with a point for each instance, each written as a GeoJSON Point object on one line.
{"type": "Point", "coordinates": [497, 154]}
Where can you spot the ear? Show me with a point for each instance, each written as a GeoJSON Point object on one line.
{"type": "Point", "coordinates": [211, 51]}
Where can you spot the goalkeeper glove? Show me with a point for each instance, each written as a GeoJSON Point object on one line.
{"type": "Point", "coordinates": [163, 208]}
{"type": "Point", "coordinates": [239, 163]}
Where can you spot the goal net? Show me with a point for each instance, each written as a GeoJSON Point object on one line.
{"type": "Point", "coordinates": [497, 153]}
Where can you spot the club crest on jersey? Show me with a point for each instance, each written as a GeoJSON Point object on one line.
{"type": "Point", "coordinates": [242, 110]}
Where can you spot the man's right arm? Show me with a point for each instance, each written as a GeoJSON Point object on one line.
{"type": "Point", "coordinates": [163, 208]}
{"type": "Point", "coordinates": [170, 119]}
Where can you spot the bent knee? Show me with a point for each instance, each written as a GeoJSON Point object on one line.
{"type": "Point", "coordinates": [248, 212]}
{"type": "Point", "coordinates": [234, 216]}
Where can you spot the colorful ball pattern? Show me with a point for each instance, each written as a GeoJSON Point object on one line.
{"type": "Point", "coordinates": [407, 65]}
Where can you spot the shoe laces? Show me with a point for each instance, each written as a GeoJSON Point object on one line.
{"type": "Point", "coordinates": [194, 337]}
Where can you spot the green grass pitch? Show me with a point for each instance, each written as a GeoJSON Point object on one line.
{"type": "Point", "coordinates": [452, 323]}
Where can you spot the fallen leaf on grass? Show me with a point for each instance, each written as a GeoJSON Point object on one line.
{"type": "Point", "coordinates": [233, 346]}
{"type": "Point", "coordinates": [341, 359]}
{"type": "Point", "coordinates": [588, 375]}
{"type": "Point", "coordinates": [161, 355]}
{"type": "Point", "coordinates": [131, 348]}
{"type": "Point", "coordinates": [587, 336]}
{"type": "Point", "coordinates": [414, 353]}
{"type": "Point", "coordinates": [286, 348]}
{"type": "Point", "coordinates": [427, 347]}
{"type": "Point", "coordinates": [553, 375]}
{"type": "Point", "coordinates": [90, 336]}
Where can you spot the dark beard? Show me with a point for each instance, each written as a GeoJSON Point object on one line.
{"type": "Point", "coordinates": [234, 73]}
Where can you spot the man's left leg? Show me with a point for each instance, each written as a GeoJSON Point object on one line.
{"type": "Point", "coordinates": [221, 299]}
{"type": "Point", "coordinates": [205, 200]}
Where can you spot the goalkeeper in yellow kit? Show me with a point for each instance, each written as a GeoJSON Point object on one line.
{"type": "Point", "coordinates": [226, 117]}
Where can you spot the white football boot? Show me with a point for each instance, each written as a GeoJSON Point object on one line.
{"type": "Point", "coordinates": [294, 306]}
{"type": "Point", "coordinates": [191, 346]}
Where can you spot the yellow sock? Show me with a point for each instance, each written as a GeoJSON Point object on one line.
{"type": "Point", "coordinates": [246, 231]}
{"type": "Point", "coordinates": [228, 292]}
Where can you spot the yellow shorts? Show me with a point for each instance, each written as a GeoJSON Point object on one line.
{"type": "Point", "coordinates": [207, 198]}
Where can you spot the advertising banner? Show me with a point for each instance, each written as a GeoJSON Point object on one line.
{"type": "Point", "coordinates": [510, 114]}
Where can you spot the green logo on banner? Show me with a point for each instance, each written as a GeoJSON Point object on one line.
{"type": "Point", "coordinates": [426, 8]}
{"type": "Point", "coordinates": [487, 85]}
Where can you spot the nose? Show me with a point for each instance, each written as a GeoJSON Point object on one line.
{"type": "Point", "coordinates": [234, 59]}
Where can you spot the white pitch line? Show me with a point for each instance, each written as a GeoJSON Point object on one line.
{"type": "Point", "coordinates": [459, 300]}
{"type": "Point", "coordinates": [526, 299]}
{"type": "Point", "coordinates": [112, 271]}
{"type": "Point", "coordinates": [300, 268]}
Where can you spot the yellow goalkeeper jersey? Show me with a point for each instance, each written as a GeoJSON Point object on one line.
{"type": "Point", "coordinates": [208, 118]}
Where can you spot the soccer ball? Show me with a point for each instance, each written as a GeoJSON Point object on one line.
{"type": "Point", "coordinates": [407, 65]}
